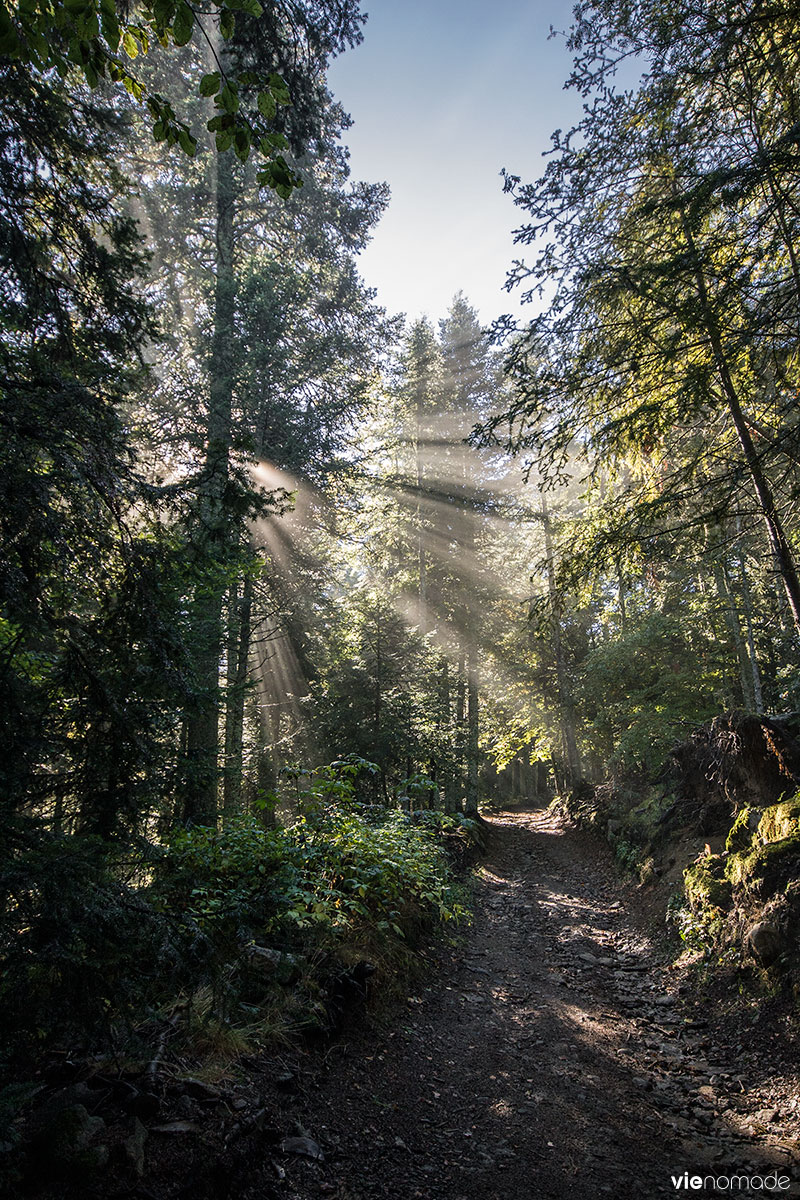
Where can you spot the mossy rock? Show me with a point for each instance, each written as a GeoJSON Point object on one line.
{"type": "Point", "coordinates": [706, 886]}
{"type": "Point", "coordinates": [780, 821]}
{"type": "Point", "coordinates": [768, 867]}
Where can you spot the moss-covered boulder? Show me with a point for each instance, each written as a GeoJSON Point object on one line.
{"type": "Point", "coordinates": [706, 885]}
{"type": "Point", "coordinates": [748, 896]}
{"type": "Point", "coordinates": [767, 868]}
{"type": "Point", "coordinates": [780, 821]}
{"type": "Point", "coordinates": [770, 858]}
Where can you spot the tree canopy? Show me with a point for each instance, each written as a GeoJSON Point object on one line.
{"type": "Point", "coordinates": [293, 587]}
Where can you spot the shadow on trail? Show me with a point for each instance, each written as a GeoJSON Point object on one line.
{"type": "Point", "coordinates": [545, 1063]}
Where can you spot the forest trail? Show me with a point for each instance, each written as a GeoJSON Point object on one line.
{"type": "Point", "coordinates": [555, 1055]}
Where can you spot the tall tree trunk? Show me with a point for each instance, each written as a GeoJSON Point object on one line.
{"type": "Point", "coordinates": [735, 629]}
{"type": "Point", "coordinates": [377, 705]}
{"type": "Point", "coordinates": [261, 777]}
{"type": "Point", "coordinates": [448, 728]}
{"type": "Point", "coordinates": [623, 612]}
{"type": "Point", "coordinates": [231, 663]}
{"type": "Point", "coordinates": [422, 598]}
{"type": "Point", "coordinates": [460, 730]}
{"type": "Point", "coordinates": [572, 762]}
{"type": "Point", "coordinates": [238, 655]}
{"type": "Point", "coordinates": [747, 602]}
{"type": "Point", "coordinates": [471, 803]}
{"type": "Point", "coordinates": [212, 531]}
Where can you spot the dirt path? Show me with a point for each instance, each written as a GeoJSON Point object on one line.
{"type": "Point", "coordinates": [554, 1056]}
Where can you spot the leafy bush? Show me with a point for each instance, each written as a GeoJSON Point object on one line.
{"type": "Point", "coordinates": [698, 930]}
{"type": "Point", "coordinates": [85, 942]}
{"type": "Point", "coordinates": [290, 913]}
{"type": "Point", "coordinates": [333, 872]}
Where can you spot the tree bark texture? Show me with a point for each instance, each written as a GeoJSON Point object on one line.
{"type": "Point", "coordinates": [212, 532]}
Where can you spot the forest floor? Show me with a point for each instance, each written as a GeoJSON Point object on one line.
{"type": "Point", "coordinates": [553, 1052]}
{"type": "Point", "coordinates": [557, 1054]}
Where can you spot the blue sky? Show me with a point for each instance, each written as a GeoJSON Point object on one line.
{"type": "Point", "coordinates": [445, 93]}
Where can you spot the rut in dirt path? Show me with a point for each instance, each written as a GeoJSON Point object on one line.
{"type": "Point", "coordinates": [550, 1060]}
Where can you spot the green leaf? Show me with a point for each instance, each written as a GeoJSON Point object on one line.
{"type": "Point", "coordinates": [266, 105]}
{"type": "Point", "coordinates": [163, 12]}
{"type": "Point", "coordinates": [130, 45]}
{"type": "Point", "coordinates": [227, 99]}
{"type": "Point", "coordinates": [227, 24]}
{"type": "Point", "coordinates": [241, 144]}
{"type": "Point", "coordinates": [224, 140]}
{"type": "Point", "coordinates": [133, 87]}
{"type": "Point", "coordinates": [187, 143]}
{"type": "Point", "coordinates": [272, 142]}
{"type": "Point", "coordinates": [9, 42]}
{"type": "Point", "coordinates": [183, 24]}
{"type": "Point", "coordinates": [279, 89]}
{"type": "Point", "coordinates": [111, 30]}
{"type": "Point", "coordinates": [209, 84]}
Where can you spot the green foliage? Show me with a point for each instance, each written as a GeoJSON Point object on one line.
{"type": "Point", "coordinates": [336, 785]}
{"type": "Point", "coordinates": [698, 929]}
{"type": "Point", "coordinates": [657, 379]}
{"type": "Point", "coordinates": [80, 949]}
{"type": "Point", "coordinates": [379, 690]}
{"type": "Point", "coordinates": [421, 791]}
{"type": "Point", "coordinates": [334, 874]}
{"type": "Point", "coordinates": [98, 40]}
{"type": "Point", "coordinates": [699, 914]}
{"type": "Point", "coordinates": [741, 831]}
{"type": "Point", "coordinates": [628, 855]}
{"type": "Point", "coordinates": [90, 625]}
{"type": "Point", "coordinates": [641, 691]}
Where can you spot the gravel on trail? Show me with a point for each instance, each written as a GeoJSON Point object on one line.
{"type": "Point", "coordinates": [554, 1054]}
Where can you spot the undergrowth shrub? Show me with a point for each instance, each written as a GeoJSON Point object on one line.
{"type": "Point", "coordinates": [224, 924]}
{"type": "Point", "coordinates": [333, 873]}
{"type": "Point", "coordinates": [289, 912]}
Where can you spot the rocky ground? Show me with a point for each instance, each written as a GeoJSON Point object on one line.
{"type": "Point", "coordinates": [553, 1053]}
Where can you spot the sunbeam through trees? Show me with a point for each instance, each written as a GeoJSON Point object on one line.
{"type": "Point", "coordinates": [297, 592]}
